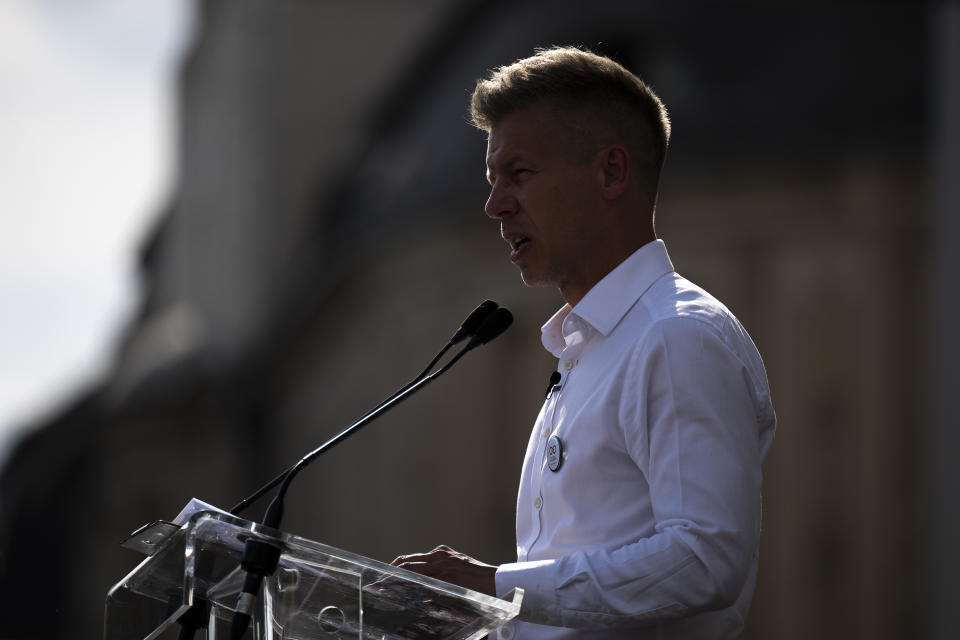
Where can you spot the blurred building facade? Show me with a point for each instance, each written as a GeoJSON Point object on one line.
{"type": "Point", "coordinates": [327, 235]}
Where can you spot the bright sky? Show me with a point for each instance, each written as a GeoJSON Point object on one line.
{"type": "Point", "coordinates": [87, 120]}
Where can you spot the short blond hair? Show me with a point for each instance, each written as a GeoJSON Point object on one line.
{"type": "Point", "coordinates": [587, 86]}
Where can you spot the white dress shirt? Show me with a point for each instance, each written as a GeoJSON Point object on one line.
{"type": "Point", "coordinates": [649, 527]}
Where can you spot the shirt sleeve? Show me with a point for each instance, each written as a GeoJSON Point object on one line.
{"type": "Point", "coordinates": [693, 429]}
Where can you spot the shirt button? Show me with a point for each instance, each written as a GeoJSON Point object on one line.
{"type": "Point", "coordinates": [568, 365]}
{"type": "Point", "coordinates": [505, 632]}
{"type": "Point", "coordinates": [545, 433]}
{"type": "Point", "coordinates": [537, 503]}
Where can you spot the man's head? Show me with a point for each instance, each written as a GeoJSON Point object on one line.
{"type": "Point", "coordinates": [574, 150]}
{"type": "Point", "coordinates": [598, 99]}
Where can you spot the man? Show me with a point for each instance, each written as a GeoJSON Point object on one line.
{"type": "Point", "coordinates": [638, 513]}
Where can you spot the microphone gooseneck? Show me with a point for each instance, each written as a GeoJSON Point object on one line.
{"type": "Point", "coordinates": [467, 329]}
{"type": "Point", "coordinates": [260, 558]}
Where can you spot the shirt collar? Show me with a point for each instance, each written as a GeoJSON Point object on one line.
{"type": "Point", "coordinates": [609, 300]}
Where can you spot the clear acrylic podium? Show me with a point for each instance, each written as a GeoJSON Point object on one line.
{"type": "Point", "coordinates": [317, 591]}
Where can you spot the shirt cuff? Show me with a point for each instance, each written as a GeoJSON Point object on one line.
{"type": "Point", "coordinates": [538, 580]}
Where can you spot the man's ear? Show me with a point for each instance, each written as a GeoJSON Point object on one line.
{"type": "Point", "coordinates": [616, 171]}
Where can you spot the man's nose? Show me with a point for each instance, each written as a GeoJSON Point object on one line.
{"type": "Point", "coordinates": [499, 203]}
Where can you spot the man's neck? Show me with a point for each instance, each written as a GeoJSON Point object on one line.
{"type": "Point", "coordinates": [574, 292]}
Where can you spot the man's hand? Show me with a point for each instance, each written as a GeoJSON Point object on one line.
{"type": "Point", "coordinates": [451, 566]}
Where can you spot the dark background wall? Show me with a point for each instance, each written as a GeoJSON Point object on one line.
{"type": "Point", "coordinates": [326, 235]}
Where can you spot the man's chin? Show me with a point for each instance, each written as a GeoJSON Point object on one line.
{"type": "Point", "coordinates": [535, 280]}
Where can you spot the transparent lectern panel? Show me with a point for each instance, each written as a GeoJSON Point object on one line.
{"type": "Point", "coordinates": [332, 597]}
{"type": "Point", "coordinates": [163, 588]}
{"type": "Point", "coordinates": [317, 591]}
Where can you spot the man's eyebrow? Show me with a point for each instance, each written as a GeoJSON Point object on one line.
{"type": "Point", "coordinates": [508, 164]}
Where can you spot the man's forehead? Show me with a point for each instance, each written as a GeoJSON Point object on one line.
{"type": "Point", "coordinates": [534, 129]}
{"type": "Point", "coordinates": [516, 136]}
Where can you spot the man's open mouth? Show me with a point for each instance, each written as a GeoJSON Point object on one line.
{"type": "Point", "coordinates": [516, 243]}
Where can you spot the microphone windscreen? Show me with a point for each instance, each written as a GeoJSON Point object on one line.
{"type": "Point", "coordinates": [474, 320]}
{"type": "Point", "coordinates": [495, 324]}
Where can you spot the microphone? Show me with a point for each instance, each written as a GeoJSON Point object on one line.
{"type": "Point", "coordinates": [552, 385]}
{"type": "Point", "coordinates": [260, 558]}
{"type": "Point", "coordinates": [467, 328]}
{"type": "Point", "coordinates": [496, 323]}
{"type": "Point", "coordinates": [474, 320]}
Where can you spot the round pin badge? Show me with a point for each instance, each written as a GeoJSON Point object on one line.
{"type": "Point", "coordinates": [554, 453]}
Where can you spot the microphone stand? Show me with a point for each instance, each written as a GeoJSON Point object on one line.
{"type": "Point", "coordinates": [260, 558]}
{"type": "Point", "coordinates": [467, 329]}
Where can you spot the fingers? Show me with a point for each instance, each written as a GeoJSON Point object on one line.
{"type": "Point", "coordinates": [412, 558]}
{"type": "Point", "coordinates": [440, 562]}
{"type": "Point", "coordinates": [445, 563]}
{"type": "Point", "coordinates": [442, 551]}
